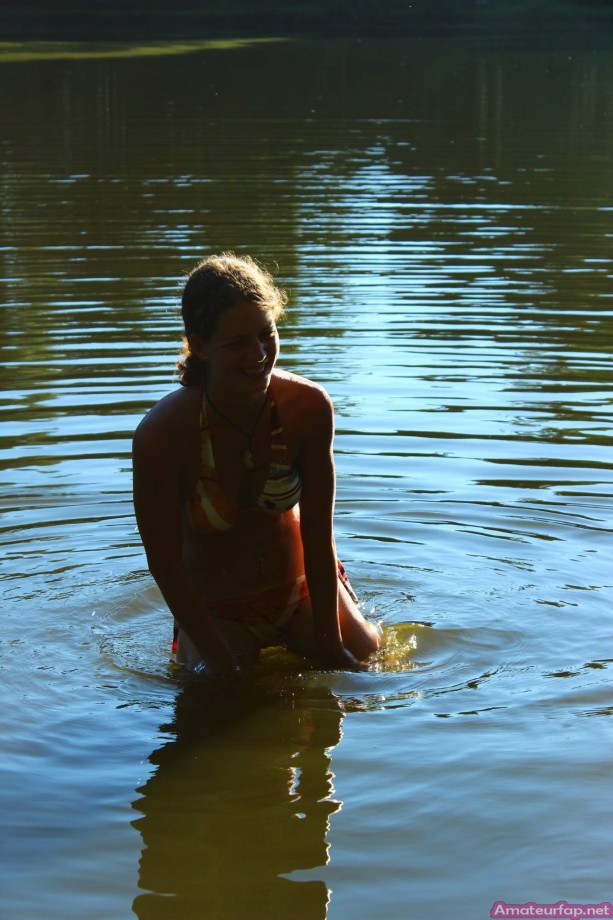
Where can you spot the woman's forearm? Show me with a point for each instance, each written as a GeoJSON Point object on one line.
{"type": "Point", "coordinates": [322, 578]}
{"type": "Point", "coordinates": [189, 610]}
{"type": "Point", "coordinates": [321, 569]}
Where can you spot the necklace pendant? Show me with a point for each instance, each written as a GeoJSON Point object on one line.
{"type": "Point", "coordinates": [248, 459]}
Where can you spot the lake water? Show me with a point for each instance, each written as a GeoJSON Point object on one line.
{"type": "Point", "coordinates": [441, 212]}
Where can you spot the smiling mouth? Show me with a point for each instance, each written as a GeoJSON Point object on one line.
{"type": "Point", "coordinates": [257, 371]}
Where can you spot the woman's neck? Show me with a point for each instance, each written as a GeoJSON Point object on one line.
{"type": "Point", "coordinates": [240, 410]}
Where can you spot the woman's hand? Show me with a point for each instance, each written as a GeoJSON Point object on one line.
{"type": "Point", "coordinates": [335, 655]}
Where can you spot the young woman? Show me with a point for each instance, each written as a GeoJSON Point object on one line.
{"type": "Point", "coordinates": [234, 488]}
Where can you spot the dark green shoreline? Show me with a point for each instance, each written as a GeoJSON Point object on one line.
{"type": "Point", "coordinates": [190, 19]}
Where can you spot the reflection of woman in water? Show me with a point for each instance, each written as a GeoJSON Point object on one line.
{"type": "Point", "coordinates": [234, 488]}
{"type": "Point", "coordinates": [241, 796]}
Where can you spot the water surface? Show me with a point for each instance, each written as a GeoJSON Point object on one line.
{"type": "Point", "coordinates": [441, 215]}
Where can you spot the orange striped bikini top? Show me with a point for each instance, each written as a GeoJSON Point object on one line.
{"type": "Point", "coordinates": [211, 510]}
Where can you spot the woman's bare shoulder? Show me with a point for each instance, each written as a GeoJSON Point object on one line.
{"type": "Point", "coordinates": [169, 417]}
{"type": "Point", "coordinates": [305, 408]}
{"type": "Point", "coordinates": [298, 392]}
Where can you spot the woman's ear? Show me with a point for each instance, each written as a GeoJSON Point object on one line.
{"type": "Point", "coordinates": [196, 346]}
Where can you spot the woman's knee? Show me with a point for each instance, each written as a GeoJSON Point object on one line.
{"type": "Point", "coordinates": [360, 637]}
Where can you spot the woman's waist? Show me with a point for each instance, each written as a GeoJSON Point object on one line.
{"type": "Point", "coordinates": [249, 569]}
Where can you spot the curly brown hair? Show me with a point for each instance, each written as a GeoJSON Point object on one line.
{"type": "Point", "coordinates": [215, 284]}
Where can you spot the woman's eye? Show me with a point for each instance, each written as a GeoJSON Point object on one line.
{"type": "Point", "coordinates": [243, 342]}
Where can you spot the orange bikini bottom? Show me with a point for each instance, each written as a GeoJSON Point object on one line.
{"type": "Point", "coordinates": [267, 613]}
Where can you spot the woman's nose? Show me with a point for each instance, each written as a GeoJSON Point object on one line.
{"type": "Point", "coordinates": [257, 350]}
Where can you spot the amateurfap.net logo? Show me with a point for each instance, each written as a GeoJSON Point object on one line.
{"type": "Point", "coordinates": [562, 910]}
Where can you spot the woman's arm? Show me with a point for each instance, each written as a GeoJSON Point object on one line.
{"type": "Point", "coordinates": [317, 528]}
{"type": "Point", "coordinates": [158, 516]}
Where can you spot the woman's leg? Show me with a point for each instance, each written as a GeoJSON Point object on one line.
{"type": "Point", "coordinates": [359, 636]}
{"type": "Point", "coordinates": [240, 640]}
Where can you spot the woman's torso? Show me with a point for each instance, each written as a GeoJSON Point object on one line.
{"type": "Point", "coordinates": [260, 549]}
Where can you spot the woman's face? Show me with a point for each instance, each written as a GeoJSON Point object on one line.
{"type": "Point", "coordinates": [242, 351]}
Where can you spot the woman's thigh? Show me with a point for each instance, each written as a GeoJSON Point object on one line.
{"type": "Point", "coordinates": [359, 636]}
{"type": "Point", "coordinates": [240, 640]}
